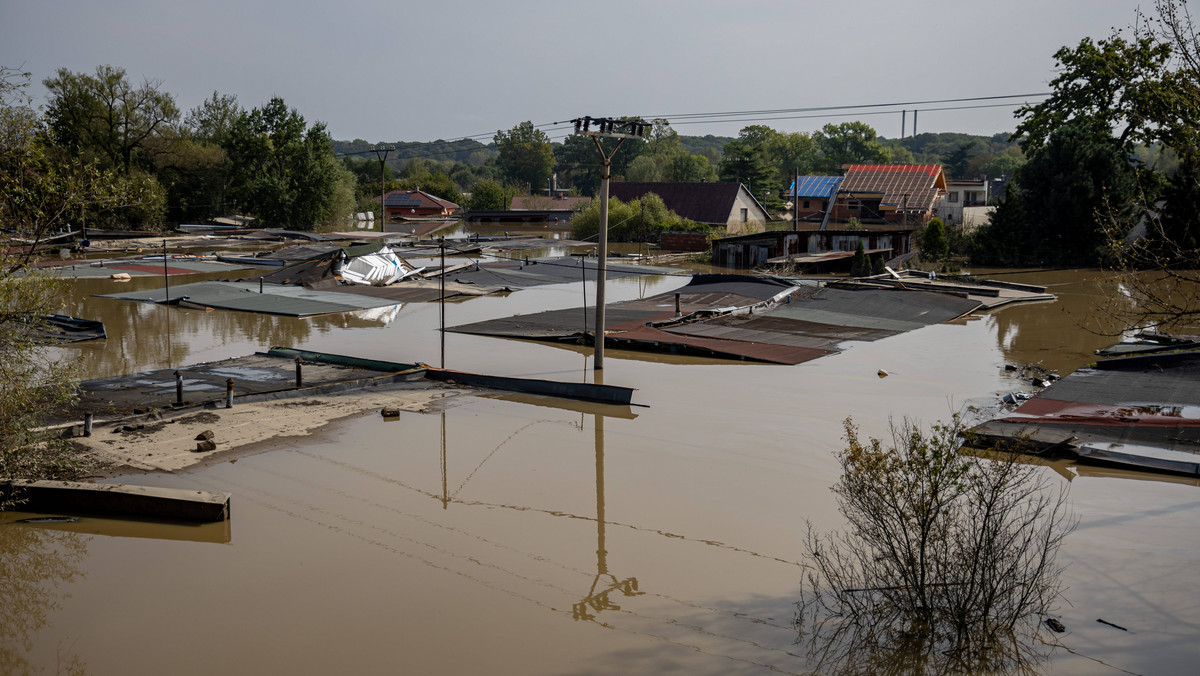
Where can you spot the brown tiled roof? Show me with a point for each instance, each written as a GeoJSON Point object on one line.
{"type": "Point", "coordinates": [699, 202]}
{"type": "Point", "coordinates": [903, 187]}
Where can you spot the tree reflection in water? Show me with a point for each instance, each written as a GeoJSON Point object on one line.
{"type": "Point", "coordinates": [882, 646]}
{"type": "Point", "coordinates": [34, 564]}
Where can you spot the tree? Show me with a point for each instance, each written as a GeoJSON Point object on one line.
{"type": "Point", "coordinates": [105, 115]}
{"type": "Point", "coordinates": [957, 160]}
{"type": "Point", "coordinates": [934, 246]}
{"type": "Point", "coordinates": [950, 555]}
{"type": "Point", "coordinates": [849, 143]}
{"type": "Point", "coordinates": [38, 195]}
{"type": "Point", "coordinates": [1051, 216]}
{"type": "Point", "coordinates": [860, 265]}
{"type": "Point", "coordinates": [685, 167]}
{"type": "Point", "coordinates": [489, 195]}
{"type": "Point", "coordinates": [284, 172]}
{"type": "Point", "coordinates": [644, 169]}
{"type": "Point", "coordinates": [641, 220]}
{"type": "Point", "coordinates": [747, 160]}
{"type": "Point", "coordinates": [1115, 83]}
{"type": "Point", "coordinates": [1160, 271]}
{"type": "Point", "coordinates": [526, 156]}
{"type": "Point", "coordinates": [794, 151]}
{"type": "Point", "coordinates": [211, 121]}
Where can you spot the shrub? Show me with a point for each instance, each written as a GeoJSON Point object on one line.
{"type": "Point", "coordinates": [641, 220]}
{"type": "Point", "coordinates": [946, 554]}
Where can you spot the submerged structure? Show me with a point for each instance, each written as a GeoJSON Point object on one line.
{"type": "Point", "coordinates": [763, 319]}
{"type": "Point", "coordinates": [1140, 412]}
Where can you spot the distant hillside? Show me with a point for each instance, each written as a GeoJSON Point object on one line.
{"type": "Point", "coordinates": [931, 148]}
{"type": "Point", "coordinates": [466, 151]}
{"type": "Point", "coordinates": [698, 145]}
{"type": "Point", "coordinates": [963, 155]}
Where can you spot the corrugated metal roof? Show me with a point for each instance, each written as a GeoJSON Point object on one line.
{"type": "Point", "coordinates": [814, 186]}
{"type": "Point", "coordinates": [295, 301]}
{"type": "Point", "coordinates": [812, 324]}
{"type": "Point", "coordinates": [412, 199]}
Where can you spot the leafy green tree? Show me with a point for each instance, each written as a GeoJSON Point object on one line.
{"type": "Point", "coordinates": [284, 172]}
{"type": "Point", "coordinates": [641, 220]}
{"type": "Point", "coordinates": [849, 143]}
{"type": "Point", "coordinates": [747, 160]}
{"type": "Point", "coordinates": [526, 155]}
{"type": "Point", "coordinates": [934, 245]}
{"type": "Point", "coordinates": [685, 167]}
{"type": "Point", "coordinates": [1115, 82]}
{"type": "Point", "coordinates": [39, 193]}
{"type": "Point", "coordinates": [211, 121]}
{"type": "Point", "coordinates": [1181, 206]}
{"type": "Point", "coordinates": [489, 195]}
{"type": "Point", "coordinates": [644, 169]}
{"type": "Point", "coordinates": [793, 151]}
{"type": "Point", "coordinates": [104, 115]}
{"type": "Point", "coordinates": [1052, 216]}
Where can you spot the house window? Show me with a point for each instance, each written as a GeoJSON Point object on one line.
{"type": "Point", "coordinates": [953, 197]}
{"type": "Point", "coordinates": [805, 204]}
{"type": "Point", "coordinates": [745, 215]}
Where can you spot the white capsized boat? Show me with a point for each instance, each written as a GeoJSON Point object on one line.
{"type": "Point", "coordinates": [378, 269]}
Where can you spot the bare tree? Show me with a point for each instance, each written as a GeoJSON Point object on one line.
{"type": "Point", "coordinates": [947, 557]}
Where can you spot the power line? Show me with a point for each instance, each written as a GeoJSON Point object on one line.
{"type": "Point", "coordinates": [777, 111]}
{"type": "Point", "coordinates": [743, 116]}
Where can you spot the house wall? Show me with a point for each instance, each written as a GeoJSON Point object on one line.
{"type": "Point", "coordinates": [683, 241]}
{"type": "Point", "coordinates": [823, 242]}
{"type": "Point", "coordinates": [815, 209]}
{"type": "Point", "coordinates": [754, 251]}
{"type": "Point", "coordinates": [754, 220]}
{"type": "Point", "coordinates": [962, 199]}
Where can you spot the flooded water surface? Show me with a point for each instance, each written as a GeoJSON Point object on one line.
{"type": "Point", "coordinates": [509, 534]}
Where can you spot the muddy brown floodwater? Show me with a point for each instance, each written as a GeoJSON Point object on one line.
{"type": "Point", "coordinates": [522, 535]}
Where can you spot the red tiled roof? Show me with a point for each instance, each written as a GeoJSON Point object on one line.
{"type": "Point", "coordinates": [904, 187]}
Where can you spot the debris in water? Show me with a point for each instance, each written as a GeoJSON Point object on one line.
{"type": "Point", "coordinates": [50, 519]}
{"type": "Point", "coordinates": [1111, 624]}
{"type": "Point", "coordinates": [1014, 397]}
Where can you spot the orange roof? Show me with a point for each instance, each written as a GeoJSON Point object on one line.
{"type": "Point", "coordinates": [903, 187]}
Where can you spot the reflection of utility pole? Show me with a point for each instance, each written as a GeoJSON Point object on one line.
{"type": "Point", "coordinates": [598, 600]}
{"type": "Point", "coordinates": [606, 128]}
{"type": "Point", "coordinates": [167, 301]}
{"type": "Point", "coordinates": [381, 151]}
{"type": "Point", "coordinates": [445, 495]}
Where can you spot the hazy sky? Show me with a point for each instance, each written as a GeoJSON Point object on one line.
{"type": "Point", "coordinates": [418, 71]}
